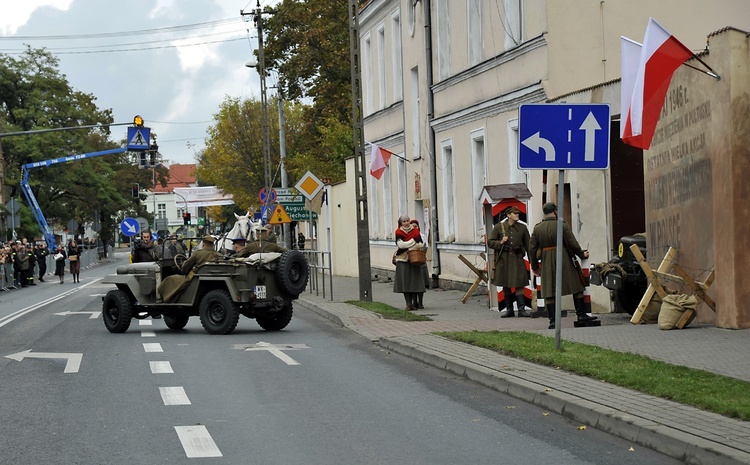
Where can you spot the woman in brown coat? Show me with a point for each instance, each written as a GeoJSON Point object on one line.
{"type": "Point", "coordinates": [543, 246]}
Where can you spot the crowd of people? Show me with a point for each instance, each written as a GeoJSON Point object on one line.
{"type": "Point", "coordinates": [24, 263]}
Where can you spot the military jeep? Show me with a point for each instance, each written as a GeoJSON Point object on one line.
{"type": "Point", "coordinates": [261, 286]}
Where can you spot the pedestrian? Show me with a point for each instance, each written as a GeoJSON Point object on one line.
{"type": "Point", "coordinates": [543, 245]}
{"type": "Point", "coordinates": [408, 279]}
{"type": "Point", "coordinates": [422, 268]}
{"type": "Point", "coordinates": [301, 241]}
{"type": "Point", "coordinates": [144, 250]}
{"type": "Point", "coordinates": [74, 255]}
{"type": "Point", "coordinates": [41, 258]}
{"type": "Point", "coordinates": [32, 265]}
{"type": "Point", "coordinates": [510, 240]}
{"type": "Point", "coordinates": [60, 257]}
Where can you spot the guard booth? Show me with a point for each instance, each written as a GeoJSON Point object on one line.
{"type": "Point", "coordinates": [495, 199]}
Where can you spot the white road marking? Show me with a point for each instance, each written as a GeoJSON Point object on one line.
{"type": "Point", "coordinates": [276, 350]}
{"type": "Point", "coordinates": [197, 442]}
{"type": "Point", "coordinates": [148, 334]}
{"type": "Point", "coordinates": [72, 365]}
{"type": "Point", "coordinates": [160, 367]}
{"type": "Point", "coordinates": [174, 395]}
{"type": "Point", "coordinates": [152, 347]}
{"type": "Point", "coordinates": [93, 315]}
{"type": "Point", "coordinates": [145, 322]}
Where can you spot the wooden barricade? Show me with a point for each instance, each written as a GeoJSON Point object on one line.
{"type": "Point", "coordinates": [481, 276]}
{"type": "Point", "coordinates": [656, 277]}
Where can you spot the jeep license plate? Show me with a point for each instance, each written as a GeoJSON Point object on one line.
{"type": "Point", "coordinates": [260, 292]}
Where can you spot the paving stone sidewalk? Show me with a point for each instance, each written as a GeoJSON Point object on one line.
{"type": "Point", "coordinates": [686, 433]}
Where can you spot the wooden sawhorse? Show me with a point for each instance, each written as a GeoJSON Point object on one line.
{"type": "Point", "coordinates": [655, 277]}
{"type": "Point", "coordinates": [481, 276]}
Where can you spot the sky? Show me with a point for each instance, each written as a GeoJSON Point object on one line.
{"type": "Point", "coordinates": [171, 61]}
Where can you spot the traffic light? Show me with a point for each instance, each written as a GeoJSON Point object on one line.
{"type": "Point", "coordinates": [153, 151]}
{"type": "Point", "coordinates": [186, 218]}
{"type": "Point", "coordinates": [142, 160]}
{"type": "Point", "coordinates": [136, 189]}
{"type": "Point", "coordinates": [138, 121]}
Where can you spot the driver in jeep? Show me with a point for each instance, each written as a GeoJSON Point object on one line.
{"type": "Point", "coordinates": [171, 286]}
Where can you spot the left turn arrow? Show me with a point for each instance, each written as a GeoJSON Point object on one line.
{"type": "Point", "coordinates": [72, 366]}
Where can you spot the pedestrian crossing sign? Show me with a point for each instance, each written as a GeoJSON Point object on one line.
{"type": "Point", "coordinates": [279, 215]}
{"type": "Point", "coordinates": [139, 138]}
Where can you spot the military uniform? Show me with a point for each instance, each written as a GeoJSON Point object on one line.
{"type": "Point", "coordinates": [509, 270]}
{"type": "Point", "coordinates": [171, 286]}
{"type": "Point", "coordinates": [260, 246]}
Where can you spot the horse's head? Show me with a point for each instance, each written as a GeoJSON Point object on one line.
{"type": "Point", "coordinates": [242, 225]}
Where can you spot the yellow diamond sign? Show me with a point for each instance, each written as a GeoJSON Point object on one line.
{"type": "Point", "coordinates": [309, 185]}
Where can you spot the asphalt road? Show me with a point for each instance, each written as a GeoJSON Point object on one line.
{"type": "Point", "coordinates": [314, 393]}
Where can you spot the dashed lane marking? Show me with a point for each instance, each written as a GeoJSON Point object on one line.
{"type": "Point", "coordinates": [197, 442]}
{"type": "Point", "coordinates": [174, 395]}
{"type": "Point", "coordinates": [152, 347]}
{"type": "Point", "coordinates": [160, 367]}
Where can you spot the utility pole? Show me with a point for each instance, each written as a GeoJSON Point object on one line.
{"type": "Point", "coordinates": [288, 240]}
{"type": "Point", "coordinates": [360, 163]}
{"type": "Point", "coordinates": [258, 19]}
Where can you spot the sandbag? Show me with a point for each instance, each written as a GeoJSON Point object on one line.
{"type": "Point", "coordinates": [672, 308]}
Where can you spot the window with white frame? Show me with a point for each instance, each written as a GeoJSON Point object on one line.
{"type": "Point", "coordinates": [416, 138]}
{"type": "Point", "coordinates": [449, 197]}
{"type": "Point", "coordinates": [474, 29]}
{"type": "Point", "coordinates": [381, 67]}
{"type": "Point", "coordinates": [398, 83]}
{"type": "Point", "coordinates": [161, 210]}
{"type": "Point", "coordinates": [403, 187]}
{"type": "Point", "coordinates": [478, 174]}
{"type": "Point", "coordinates": [443, 40]}
{"type": "Point", "coordinates": [367, 88]}
{"type": "Point", "coordinates": [515, 174]}
{"type": "Point", "coordinates": [513, 23]}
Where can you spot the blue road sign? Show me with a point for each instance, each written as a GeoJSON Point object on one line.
{"type": "Point", "coordinates": [563, 136]}
{"type": "Point", "coordinates": [130, 227]}
{"type": "Point", "coordinates": [262, 196]}
{"type": "Point", "coordinates": [139, 138]}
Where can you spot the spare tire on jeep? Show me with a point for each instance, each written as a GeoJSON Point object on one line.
{"type": "Point", "coordinates": [292, 272]}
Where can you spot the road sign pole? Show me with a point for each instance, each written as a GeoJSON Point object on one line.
{"type": "Point", "coordinates": [559, 257]}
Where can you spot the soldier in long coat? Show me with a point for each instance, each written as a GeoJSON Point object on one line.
{"type": "Point", "coordinates": [543, 245]}
{"type": "Point", "coordinates": [173, 285]}
{"type": "Point", "coordinates": [510, 240]}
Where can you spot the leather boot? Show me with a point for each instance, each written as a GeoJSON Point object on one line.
{"type": "Point", "coordinates": [420, 300]}
{"type": "Point", "coordinates": [508, 312]}
{"type": "Point", "coordinates": [408, 300]}
{"type": "Point", "coordinates": [521, 304]}
{"type": "Point", "coordinates": [551, 315]}
{"type": "Point", "coordinates": [581, 311]}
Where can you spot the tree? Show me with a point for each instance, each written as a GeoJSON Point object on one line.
{"type": "Point", "coordinates": [35, 95]}
{"type": "Point", "coordinates": [308, 44]}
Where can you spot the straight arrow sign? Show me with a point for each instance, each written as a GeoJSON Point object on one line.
{"type": "Point", "coordinates": [72, 366]}
{"type": "Point", "coordinates": [94, 314]}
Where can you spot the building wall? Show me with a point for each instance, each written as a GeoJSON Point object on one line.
{"type": "Point", "coordinates": [558, 48]}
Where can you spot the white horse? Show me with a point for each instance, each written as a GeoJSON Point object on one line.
{"type": "Point", "coordinates": [241, 229]}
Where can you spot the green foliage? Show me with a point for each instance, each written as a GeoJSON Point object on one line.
{"type": "Point", "coordinates": [698, 388]}
{"type": "Point", "coordinates": [388, 312]}
{"type": "Point", "coordinates": [34, 95]}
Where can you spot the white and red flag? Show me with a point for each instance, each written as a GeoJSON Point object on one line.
{"type": "Point", "coordinates": [379, 158]}
{"type": "Point", "coordinates": [646, 87]}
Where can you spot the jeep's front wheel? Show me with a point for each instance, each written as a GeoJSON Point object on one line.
{"type": "Point", "coordinates": [176, 322]}
{"type": "Point", "coordinates": [117, 311]}
{"type": "Point", "coordinates": [277, 321]}
{"type": "Point", "coordinates": [218, 313]}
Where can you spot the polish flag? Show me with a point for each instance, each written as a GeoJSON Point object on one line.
{"type": "Point", "coordinates": [661, 54]}
{"type": "Point", "coordinates": [378, 160]}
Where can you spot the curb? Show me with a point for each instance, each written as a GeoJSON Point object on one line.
{"type": "Point", "coordinates": [681, 445]}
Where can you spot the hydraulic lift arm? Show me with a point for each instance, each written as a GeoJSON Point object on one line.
{"type": "Point", "coordinates": [31, 198]}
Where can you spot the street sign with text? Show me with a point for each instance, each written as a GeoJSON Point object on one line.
{"type": "Point", "coordinates": [563, 136]}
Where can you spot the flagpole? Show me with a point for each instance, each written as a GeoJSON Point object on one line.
{"type": "Point", "coordinates": [711, 72]}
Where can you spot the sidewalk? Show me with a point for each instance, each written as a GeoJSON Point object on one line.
{"type": "Point", "coordinates": [685, 433]}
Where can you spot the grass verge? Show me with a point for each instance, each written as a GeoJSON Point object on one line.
{"type": "Point", "coordinates": [720, 394]}
{"type": "Point", "coordinates": [388, 312]}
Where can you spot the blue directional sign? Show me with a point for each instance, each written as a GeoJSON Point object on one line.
{"type": "Point", "coordinates": [138, 138]}
{"type": "Point", "coordinates": [563, 136]}
{"type": "Point", "coordinates": [130, 227]}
